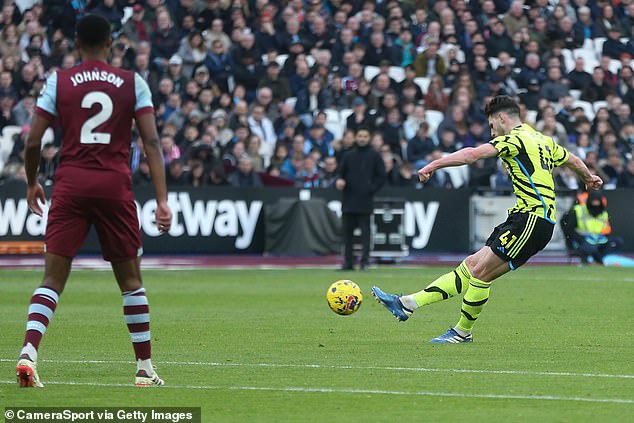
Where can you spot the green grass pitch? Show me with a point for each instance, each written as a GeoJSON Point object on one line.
{"type": "Point", "coordinates": [554, 344]}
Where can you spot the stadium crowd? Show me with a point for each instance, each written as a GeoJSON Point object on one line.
{"type": "Point", "coordinates": [266, 92]}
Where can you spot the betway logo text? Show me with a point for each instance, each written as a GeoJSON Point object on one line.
{"type": "Point", "coordinates": [224, 218]}
{"type": "Point", "coordinates": [418, 220]}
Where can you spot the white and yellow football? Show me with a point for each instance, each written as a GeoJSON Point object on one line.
{"type": "Point", "coordinates": [344, 297]}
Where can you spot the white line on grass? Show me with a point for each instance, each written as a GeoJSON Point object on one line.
{"type": "Point", "coordinates": [340, 367]}
{"type": "Point", "coordinates": [354, 391]}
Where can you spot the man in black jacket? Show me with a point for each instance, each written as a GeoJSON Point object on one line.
{"type": "Point", "coordinates": [361, 174]}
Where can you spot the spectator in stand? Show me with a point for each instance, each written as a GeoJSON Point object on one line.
{"type": "Point", "coordinates": [292, 166]}
{"type": "Point", "coordinates": [608, 19]}
{"type": "Point", "coordinates": [413, 122]}
{"type": "Point", "coordinates": [109, 9]}
{"type": "Point", "coordinates": [613, 47]}
{"type": "Point", "coordinates": [429, 62]}
{"type": "Point", "coordinates": [360, 116]}
{"type": "Point", "coordinates": [318, 139]}
{"type": "Point", "coordinates": [247, 64]}
{"type": "Point", "coordinates": [171, 151]}
{"type": "Point", "coordinates": [553, 88]}
{"type": "Point", "coordinates": [308, 176]}
{"type": "Point", "coordinates": [24, 110]}
{"type": "Point", "coordinates": [613, 168]}
{"type": "Point", "coordinates": [514, 19]}
{"type": "Point", "coordinates": [165, 40]}
{"type": "Point", "coordinates": [420, 147]}
{"type": "Point", "coordinates": [328, 172]}
{"type": "Point", "coordinates": [137, 28]}
{"type": "Point", "coordinates": [392, 131]}
{"type": "Point", "coordinates": [436, 98]}
{"type": "Point", "coordinates": [578, 77]}
{"type": "Point", "coordinates": [192, 52]}
{"type": "Point", "coordinates": [597, 89]}
{"type": "Point", "coordinates": [142, 176]}
{"type": "Point", "coordinates": [277, 83]}
{"type": "Point", "coordinates": [9, 42]}
{"type": "Point", "coordinates": [7, 116]}
{"type": "Point", "coordinates": [499, 40]}
{"type": "Point", "coordinates": [531, 70]}
{"type": "Point", "coordinates": [176, 175]}
{"type": "Point", "coordinates": [261, 125]}
{"type": "Point", "coordinates": [197, 175]}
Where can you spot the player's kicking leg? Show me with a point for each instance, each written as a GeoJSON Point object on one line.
{"type": "Point", "coordinates": [483, 263]}
{"type": "Point", "coordinates": [43, 304]}
{"type": "Point", "coordinates": [136, 311]}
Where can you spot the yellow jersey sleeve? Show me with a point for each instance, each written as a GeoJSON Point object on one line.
{"type": "Point", "coordinates": [506, 145]}
{"type": "Point", "coordinates": [560, 154]}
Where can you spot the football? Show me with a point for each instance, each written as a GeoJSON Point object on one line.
{"type": "Point", "coordinates": [344, 297]}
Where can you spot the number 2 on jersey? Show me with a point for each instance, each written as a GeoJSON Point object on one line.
{"type": "Point", "coordinates": [87, 136]}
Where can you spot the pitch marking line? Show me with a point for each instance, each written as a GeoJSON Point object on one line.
{"type": "Point", "coordinates": [353, 391]}
{"type": "Point", "coordinates": [327, 366]}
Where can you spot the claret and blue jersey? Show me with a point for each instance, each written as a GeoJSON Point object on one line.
{"type": "Point", "coordinates": [95, 104]}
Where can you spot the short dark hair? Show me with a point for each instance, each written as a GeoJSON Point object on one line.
{"type": "Point", "coordinates": [502, 103]}
{"type": "Point", "coordinates": [93, 31]}
{"type": "Point", "coordinates": [363, 128]}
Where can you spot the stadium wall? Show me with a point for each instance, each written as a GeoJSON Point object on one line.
{"type": "Point", "coordinates": [224, 220]}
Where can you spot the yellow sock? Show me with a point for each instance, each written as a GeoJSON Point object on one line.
{"type": "Point", "coordinates": [446, 286]}
{"type": "Point", "coordinates": [473, 302]}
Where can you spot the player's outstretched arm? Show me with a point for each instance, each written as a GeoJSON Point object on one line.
{"type": "Point", "coordinates": [34, 191]}
{"type": "Point", "coordinates": [579, 167]}
{"type": "Point", "coordinates": [461, 157]}
{"type": "Point", "coordinates": [149, 135]}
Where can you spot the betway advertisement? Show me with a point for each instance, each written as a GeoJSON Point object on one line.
{"type": "Point", "coordinates": [219, 220]}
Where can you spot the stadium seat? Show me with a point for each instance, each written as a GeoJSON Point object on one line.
{"type": "Point", "coordinates": [588, 44]}
{"type": "Point", "coordinates": [281, 59]}
{"type": "Point", "coordinates": [433, 118]}
{"type": "Point", "coordinates": [531, 116]}
{"type": "Point", "coordinates": [423, 83]}
{"type": "Point", "coordinates": [589, 57]}
{"type": "Point", "coordinates": [6, 141]}
{"type": "Point", "coordinates": [370, 72]}
{"type": "Point", "coordinates": [587, 108]}
{"type": "Point", "coordinates": [598, 44]}
{"type": "Point", "coordinates": [615, 66]}
{"type": "Point", "coordinates": [344, 114]}
{"type": "Point", "coordinates": [291, 101]}
{"type": "Point", "coordinates": [397, 73]}
{"type": "Point", "coordinates": [569, 60]}
{"type": "Point", "coordinates": [599, 104]}
{"type": "Point", "coordinates": [48, 137]}
{"type": "Point", "coordinates": [576, 94]}
{"type": "Point", "coordinates": [333, 122]}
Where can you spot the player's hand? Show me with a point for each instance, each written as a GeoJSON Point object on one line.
{"type": "Point", "coordinates": [163, 216]}
{"type": "Point", "coordinates": [33, 194]}
{"type": "Point", "coordinates": [594, 183]}
{"type": "Point", "coordinates": [425, 174]}
{"type": "Point", "coordinates": [340, 183]}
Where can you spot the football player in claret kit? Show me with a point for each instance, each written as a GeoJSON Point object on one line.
{"type": "Point", "coordinates": [95, 104]}
{"type": "Point", "coordinates": [529, 157]}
